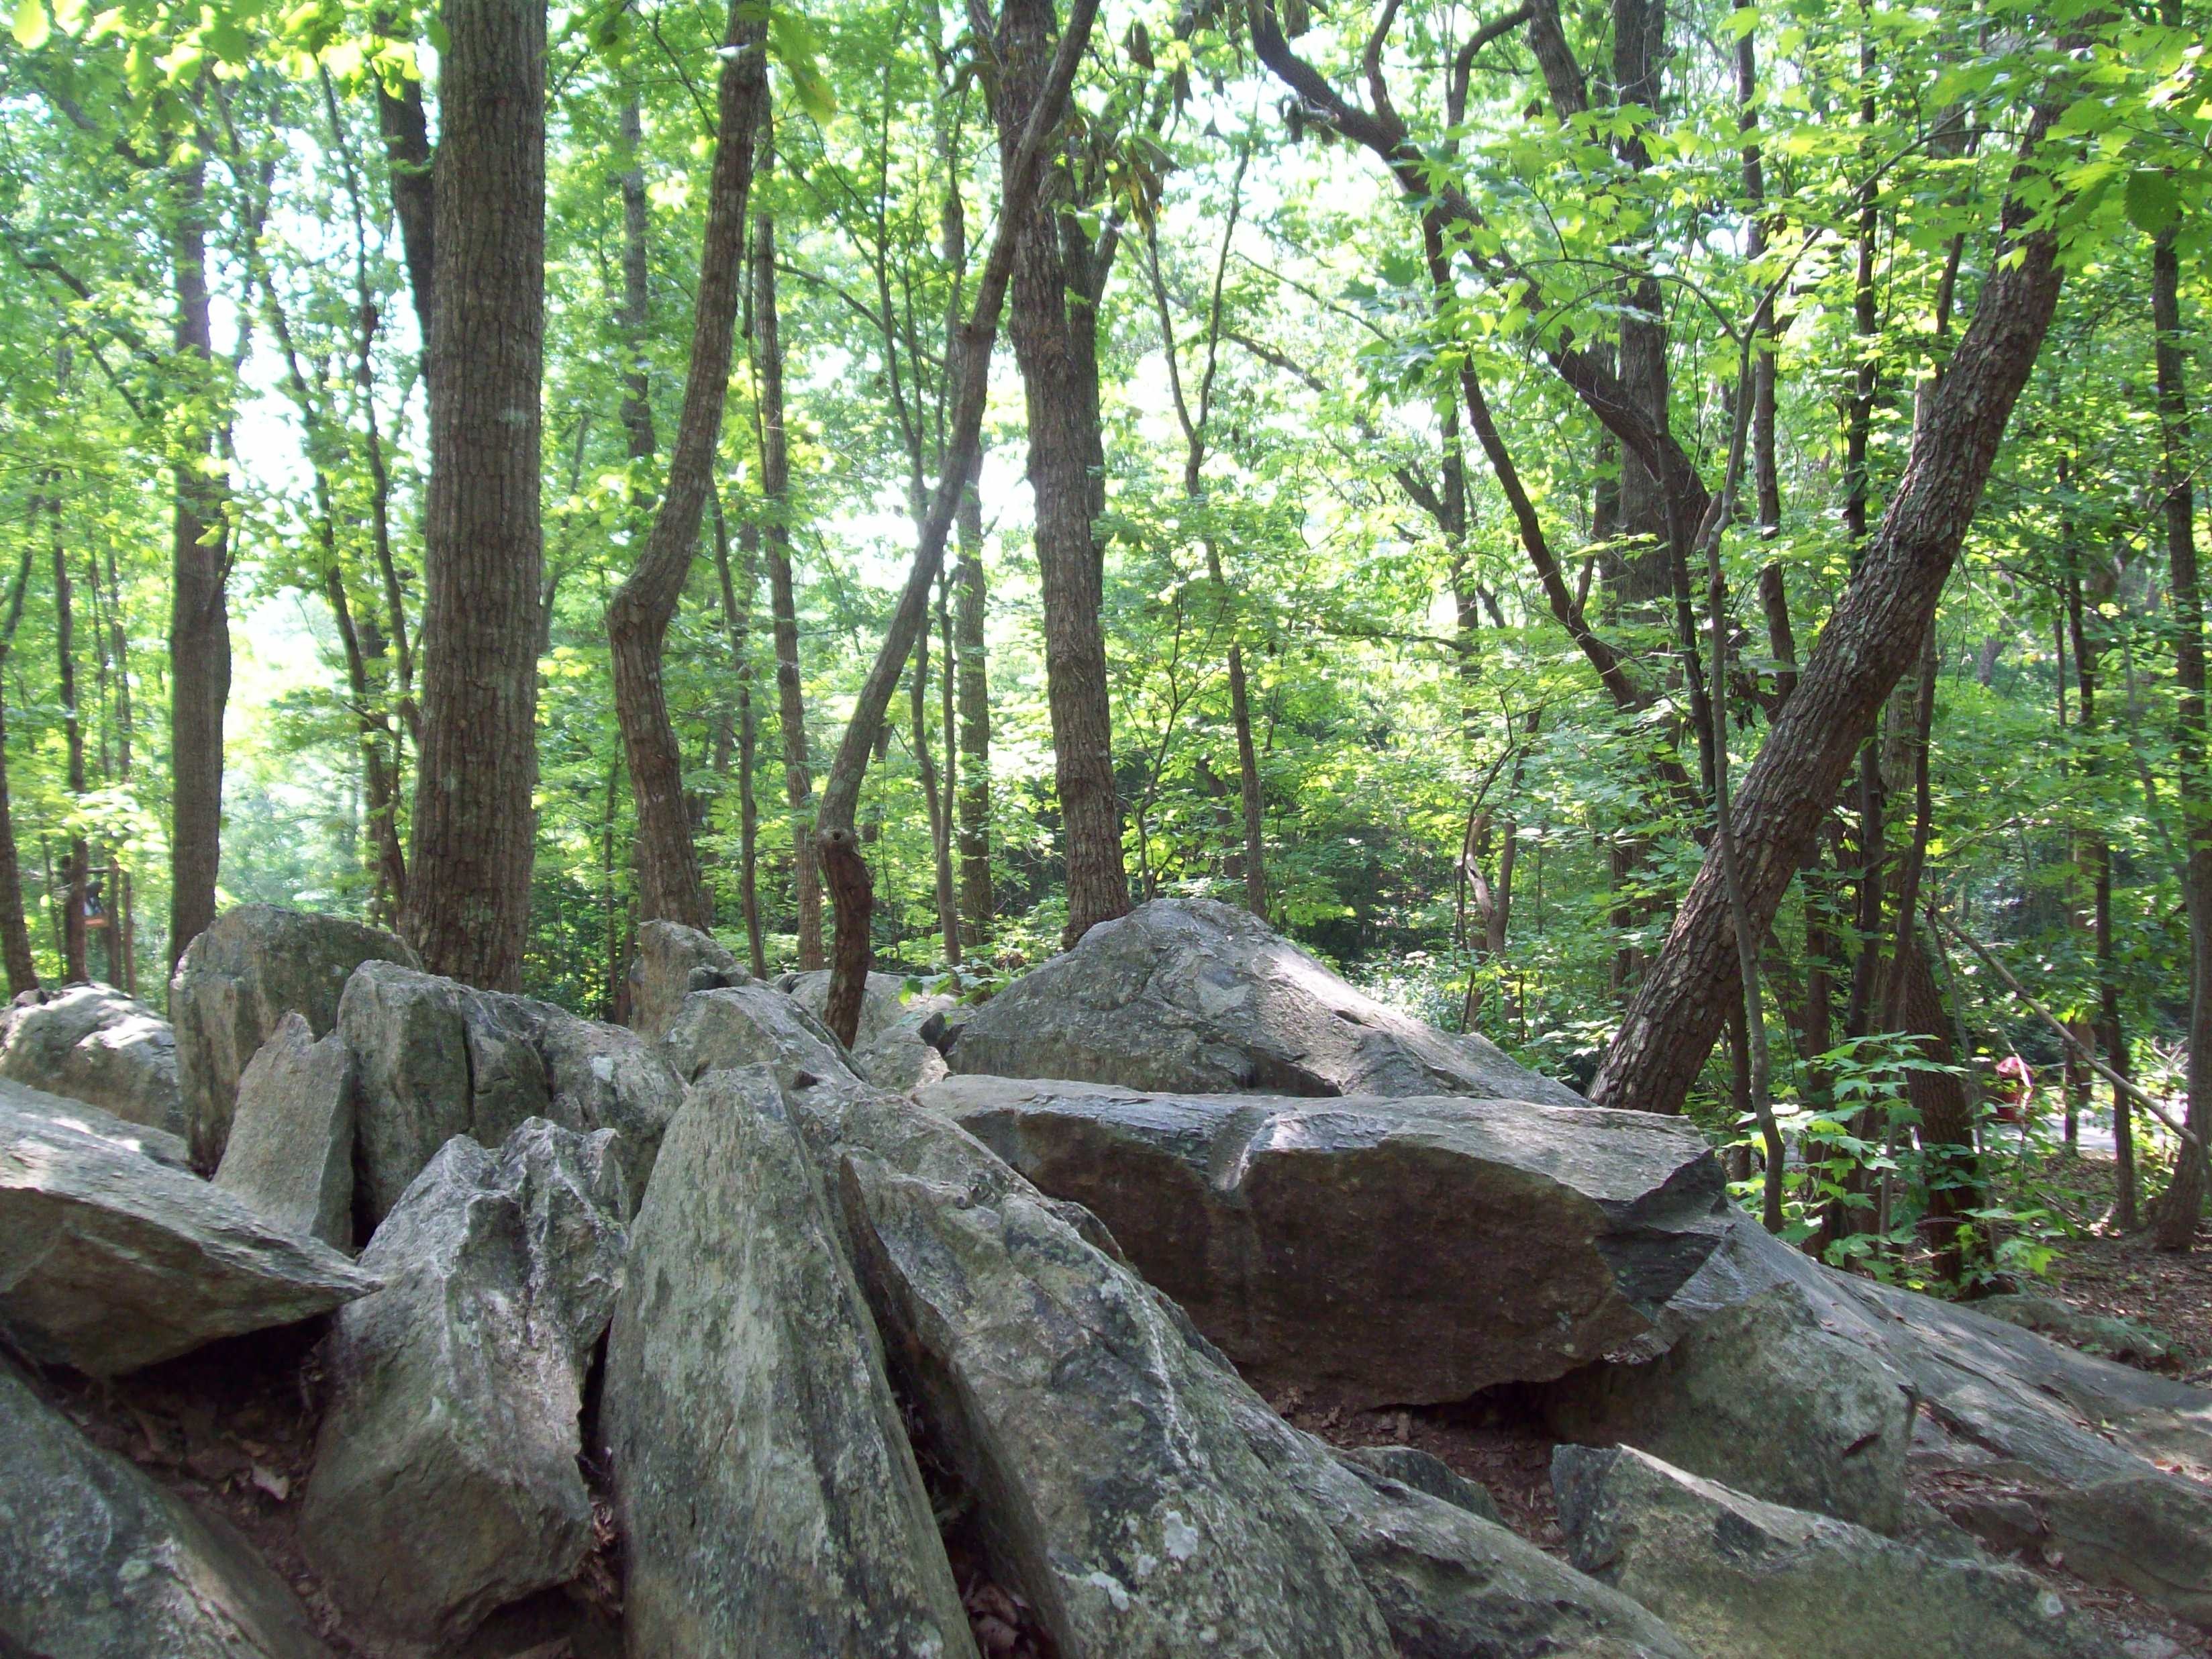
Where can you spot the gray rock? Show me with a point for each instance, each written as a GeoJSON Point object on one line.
{"type": "Point", "coordinates": [236, 981]}
{"type": "Point", "coordinates": [2115, 1339]}
{"type": "Point", "coordinates": [290, 1153]}
{"type": "Point", "coordinates": [1448, 1582]}
{"type": "Point", "coordinates": [900, 1059]}
{"type": "Point", "coordinates": [91, 1042]}
{"type": "Point", "coordinates": [81, 1117]}
{"type": "Point", "coordinates": [671, 961]}
{"type": "Point", "coordinates": [1548, 1235]}
{"type": "Point", "coordinates": [1423, 1471]}
{"type": "Point", "coordinates": [436, 1059]}
{"type": "Point", "coordinates": [445, 1482]}
{"type": "Point", "coordinates": [1195, 996]}
{"type": "Point", "coordinates": [97, 1562]}
{"type": "Point", "coordinates": [1754, 1579]}
{"type": "Point", "coordinates": [110, 1260]}
{"type": "Point", "coordinates": [769, 1502]}
{"type": "Point", "coordinates": [885, 1004]}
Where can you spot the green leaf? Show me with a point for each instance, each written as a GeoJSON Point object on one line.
{"type": "Point", "coordinates": [793, 39]}
{"type": "Point", "coordinates": [31, 25]}
{"type": "Point", "coordinates": [2154, 201]}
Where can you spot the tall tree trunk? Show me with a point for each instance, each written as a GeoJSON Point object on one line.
{"type": "Point", "coordinates": [1873, 636]}
{"type": "Point", "coordinates": [122, 927]}
{"type": "Point", "coordinates": [977, 907]}
{"type": "Point", "coordinates": [199, 624]}
{"type": "Point", "coordinates": [406, 128]}
{"type": "Point", "coordinates": [939, 802]}
{"type": "Point", "coordinates": [638, 617]}
{"type": "Point", "coordinates": [948, 718]}
{"type": "Point", "coordinates": [1054, 324]}
{"type": "Point", "coordinates": [971, 349]}
{"type": "Point", "coordinates": [2176, 1227]}
{"type": "Point", "coordinates": [15, 931]}
{"type": "Point", "coordinates": [1947, 1119]}
{"type": "Point", "coordinates": [2097, 855]}
{"type": "Point", "coordinates": [737, 624]}
{"type": "Point", "coordinates": [77, 865]}
{"type": "Point", "coordinates": [775, 539]}
{"type": "Point", "coordinates": [475, 825]}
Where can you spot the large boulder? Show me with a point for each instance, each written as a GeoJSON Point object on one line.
{"type": "Point", "coordinates": [769, 1501]}
{"type": "Point", "coordinates": [885, 1003]}
{"type": "Point", "coordinates": [669, 962]}
{"type": "Point", "coordinates": [81, 1117]}
{"type": "Point", "coordinates": [434, 1059]}
{"type": "Point", "coordinates": [1195, 996]}
{"type": "Point", "coordinates": [91, 1042]}
{"type": "Point", "coordinates": [446, 1483]}
{"type": "Point", "coordinates": [97, 1562]}
{"type": "Point", "coordinates": [290, 1153]}
{"type": "Point", "coordinates": [753, 1024]}
{"type": "Point", "coordinates": [235, 981]}
{"type": "Point", "coordinates": [110, 1260]}
{"type": "Point", "coordinates": [1754, 1579]}
{"type": "Point", "coordinates": [1383, 1252]}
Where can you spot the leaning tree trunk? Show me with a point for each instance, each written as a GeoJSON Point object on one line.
{"type": "Point", "coordinates": [970, 350]}
{"type": "Point", "coordinates": [1873, 637]}
{"type": "Point", "coordinates": [638, 617]}
{"type": "Point", "coordinates": [199, 625]}
{"type": "Point", "coordinates": [2178, 1215]}
{"type": "Point", "coordinates": [474, 826]}
{"type": "Point", "coordinates": [1055, 326]}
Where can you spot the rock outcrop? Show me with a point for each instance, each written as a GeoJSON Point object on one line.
{"type": "Point", "coordinates": [97, 1562]}
{"type": "Point", "coordinates": [236, 981]}
{"type": "Point", "coordinates": [81, 1117]}
{"type": "Point", "coordinates": [1193, 996]}
{"type": "Point", "coordinates": [93, 1043]}
{"type": "Point", "coordinates": [1386, 1252]}
{"type": "Point", "coordinates": [1753, 1579]}
{"type": "Point", "coordinates": [753, 1024]}
{"type": "Point", "coordinates": [434, 1059]}
{"type": "Point", "coordinates": [110, 1260]}
{"type": "Point", "coordinates": [769, 1501]}
{"type": "Point", "coordinates": [445, 1482]}
{"type": "Point", "coordinates": [290, 1152]}
{"type": "Point", "coordinates": [671, 961]}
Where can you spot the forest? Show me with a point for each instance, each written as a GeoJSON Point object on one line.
{"type": "Point", "coordinates": [1666, 535]}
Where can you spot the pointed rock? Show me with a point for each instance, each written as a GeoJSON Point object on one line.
{"type": "Point", "coordinates": [237, 980]}
{"type": "Point", "coordinates": [769, 1503]}
{"type": "Point", "coordinates": [446, 1483]}
{"type": "Point", "coordinates": [669, 962]}
{"type": "Point", "coordinates": [290, 1152]}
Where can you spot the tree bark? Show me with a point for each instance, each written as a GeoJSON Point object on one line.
{"type": "Point", "coordinates": [406, 128]}
{"type": "Point", "coordinates": [2096, 853]}
{"type": "Point", "coordinates": [1874, 636]}
{"type": "Point", "coordinates": [14, 930]}
{"type": "Point", "coordinates": [977, 906]}
{"type": "Point", "coordinates": [199, 625]}
{"type": "Point", "coordinates": [1054, 324]}
{"type": "Point", "coordinates": [474, 833]}
{"type": "Point", "coordinates": [2176, 1225]}
{"type": "Point", "coordinates": [77, 865]}
{"type": "Point", "coordinates": [840, 846]}
{"type": "Point", "coordinates": [736, 624]}
{"type": "Point", "coordinates": [775, 540]}
{"type": "Point", "coordinates": [672, 887]}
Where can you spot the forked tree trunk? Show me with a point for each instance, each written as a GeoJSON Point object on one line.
{"type": "Point", "coordinates": [474, 826]}
{"type": "Point", "coordinates": [1873, 637]}
{"type": "Point", "coordinates": [1054, 324]}
{"type": "Point", "coordinates": [775, 540]}
{"type": "Point", "coordinates": [199, 625]}
{"type": "Point", "coordinates": [672, 887]}
{"type": "Point", "coordinates": [971, 350]}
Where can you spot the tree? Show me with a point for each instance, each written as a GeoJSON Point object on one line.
{"type": "Point", "coordinates": [468, 899]}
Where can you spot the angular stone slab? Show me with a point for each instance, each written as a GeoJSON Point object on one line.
{"type": "Point", "coordinates": [81, 1117]}
{"type": "Point", "coordinates": [110, 1260]}
{"type": "Point", "coordinates": [445, 1483]}
{"type": "Point", "coordinates": [436, 1059]}
{"type": "Point", "coordinates": [669, 963]}
{"type": "Point", "coordinates": [769, 1501]}
{"type": "Point", "coordinates": [753, 1024]}
{"type": "Point", "coordinates": [1387, 1252]}
{"type": "Point", "coordinates": [290, 1152]}
{"type": "Point", "coordinates": [93, 1043]}
{"type": "Point", "coordinates": [1755, 1579]}
{"type": "Point", "coordinates": [97, 1562]}
{"type": "Point", "coordinates": [235, 981]}
{"type": "Point", "coordinates": [1193, 996]}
